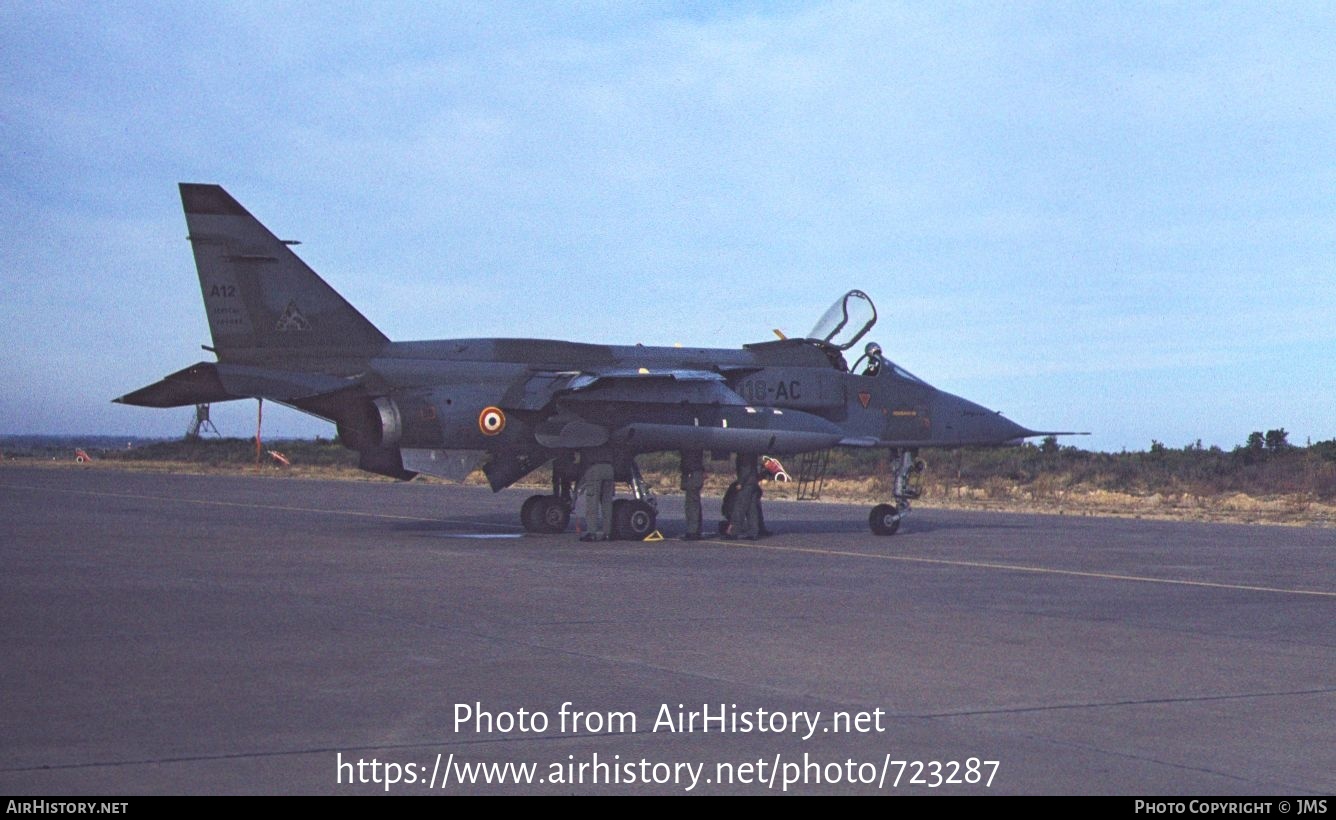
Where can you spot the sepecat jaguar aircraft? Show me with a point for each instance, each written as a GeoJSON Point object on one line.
{"type": "Point", "coordinates": [514, 405]}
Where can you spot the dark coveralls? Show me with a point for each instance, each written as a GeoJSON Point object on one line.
{"type": "Point", "coordinates": [745, 521]}
{"type": "Point", "coordinates": [598, 485]}
{"type": "Point", "coordinates": [693, 481]}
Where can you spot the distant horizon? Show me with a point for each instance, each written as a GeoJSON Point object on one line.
{"type": "Point", "coordinates": [1065, 441]}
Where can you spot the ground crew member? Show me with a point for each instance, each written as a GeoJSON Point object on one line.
{"type": "Point", "coordinates": [598, 484]}
{"type": "Point", "coordinates": [745, 519]}
{"type": "Point", "coordinates": [693, 481]}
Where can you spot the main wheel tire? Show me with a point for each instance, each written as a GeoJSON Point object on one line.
{"type": "Point", "coordinates": [632, 520]}
{"type": "Point", "coordinates": [553, 513]}
{"type": "Point", "coordinates": [544, 513]}
{"type": "Point", "coordinates": [884, 519]}
{"type": "Point", "coordinates": [530, 517]}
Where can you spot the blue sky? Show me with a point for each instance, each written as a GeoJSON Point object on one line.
{"type": "Point", "coordinates": [1108, 217]}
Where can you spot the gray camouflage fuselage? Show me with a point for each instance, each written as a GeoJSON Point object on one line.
{"type": "Point", "coordinates": [281, 333]}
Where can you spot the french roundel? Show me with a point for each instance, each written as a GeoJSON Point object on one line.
{"type": "Point", "coordinates": [491, 421]}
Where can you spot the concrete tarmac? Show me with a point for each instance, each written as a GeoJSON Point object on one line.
{"type": "Point", "coordinates": [183, 634]}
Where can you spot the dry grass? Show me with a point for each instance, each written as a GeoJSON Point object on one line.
{"type": "Point", "coordinates": [1240, 508]}
{"type": "Point", "coordinates": [994, 494]}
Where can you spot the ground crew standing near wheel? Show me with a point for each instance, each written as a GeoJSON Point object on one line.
{"type": "Point", "coordinates": [693, 481]}
{"type": "Point", "coordinates": [745, 518]}
{"type": "Point", "coordinates": [598, 483]}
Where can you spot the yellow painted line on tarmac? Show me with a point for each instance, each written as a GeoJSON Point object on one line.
{"type": "Point", "coordinates": [250, 506]}
{"type": "Point", "coordinates": [950, 562]}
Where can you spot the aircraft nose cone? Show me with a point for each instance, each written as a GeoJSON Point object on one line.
{"type": "Point", "coordinates": [970, 423]}
{"type": "Point", "coordinates": [1007, 430]}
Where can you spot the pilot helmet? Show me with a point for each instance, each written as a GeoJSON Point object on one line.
{"type": "Point", "coordinates": [872, 351]}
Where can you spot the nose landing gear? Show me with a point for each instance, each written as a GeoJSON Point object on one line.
{"type": "Point", "coordinates": [907, 484]}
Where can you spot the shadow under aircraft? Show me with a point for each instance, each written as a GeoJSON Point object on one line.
{"type": "Point", "coordinates": [442, 408]}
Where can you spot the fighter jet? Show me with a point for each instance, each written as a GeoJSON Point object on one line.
{"type": "Point", "coordinates": [442, 408]}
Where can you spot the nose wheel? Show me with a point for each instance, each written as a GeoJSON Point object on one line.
{"type": "Point", "coordinates": [884, 520]}
{"type": "Point", "coordinates": [907, 481]}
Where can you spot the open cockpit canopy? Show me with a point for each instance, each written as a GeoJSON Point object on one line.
{"type": "Point", "coordinates": [847, 321]}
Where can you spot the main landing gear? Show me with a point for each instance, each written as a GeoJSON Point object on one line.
{"type": "Point", "coordinates": [545, 513]}
{"type": "Point", "coordinates": [907, 484]}
{"type": "Point", "coordinates": [635, 518]}
{"type": "Point", "coordinates": [632, 518]}
{"type": "Point", "coordinates": [552, 513]}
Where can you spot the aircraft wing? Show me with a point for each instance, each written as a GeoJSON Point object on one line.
{"type": "Point", "coordinates": [652, 387]}
{"type": "Point", "coordinates": [197, 384]}
{"type": "Point", "coordinates": [636, 386]}
{"type": "Point", "coordinates": [671, 409]}
{"type": "Point", "coordinates": [587, 399]}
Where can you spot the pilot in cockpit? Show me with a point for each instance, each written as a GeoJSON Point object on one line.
{"type": "Point", "coordinates": [874, 360]}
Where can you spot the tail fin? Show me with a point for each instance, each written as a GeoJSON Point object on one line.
{"type": "Point", "coordinates": [261, 298]}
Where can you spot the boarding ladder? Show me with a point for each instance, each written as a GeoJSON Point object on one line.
{"type": "Point", "coordinates": [812, 474]}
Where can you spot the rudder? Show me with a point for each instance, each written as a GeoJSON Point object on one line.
{"type": "Point", "coordinates": [260, 297]}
